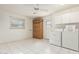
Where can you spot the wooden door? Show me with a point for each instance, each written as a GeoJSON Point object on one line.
{"type": "Point", "coordinates": [38, 28]}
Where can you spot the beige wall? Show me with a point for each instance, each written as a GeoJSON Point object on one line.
{"type": "Point", "coordinates": [7, 34]}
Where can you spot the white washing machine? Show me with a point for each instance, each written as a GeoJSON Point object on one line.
{"type": "Point", "coordinates": [55, 38]}
{"type": "Point", "coordinates": [70, 40]}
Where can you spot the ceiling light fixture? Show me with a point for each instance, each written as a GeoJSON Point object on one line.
{"type": "Point", "coordinates": [35, 9]}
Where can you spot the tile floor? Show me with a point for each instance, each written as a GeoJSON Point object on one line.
{"type": "Point", "coordinates": [32, 46]}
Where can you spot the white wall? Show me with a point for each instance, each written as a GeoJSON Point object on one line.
{"type": "Point", "coordinates": [7, 34]}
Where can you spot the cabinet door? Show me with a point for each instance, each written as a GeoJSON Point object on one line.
{"type": "Point", "coordinates": [58, 19]}
{"type": "Point", "coordinates": [74, 17]}
{"type": "Point", "coordinates": [70, 17]}
{"type": "Point", "coordinates": [55, 38]}
{"type": "Point", "coordinates": [70, 40]}
{"type": "Point", "coordinates": [66, 18]}
{"type": "Point", "coordinates": [48, 29]}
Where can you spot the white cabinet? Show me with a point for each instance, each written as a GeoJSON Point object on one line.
{"type": "Point", "coordinates": [58, 19]}
{"type": "Point", "coordinates": [72, 17]}
{"type": "Point", "coordinates": [61, 19]}
{"type": "Point", "coordinates": [70, 40]}
{"type": "Point", "coordinates": [48, 29]}
{"type": "Point", "coordinates": [66, 18]}
{"type": "Point", "coordinates": [55, 38]}
{"type": "Point", "coordinates": [75, 17]}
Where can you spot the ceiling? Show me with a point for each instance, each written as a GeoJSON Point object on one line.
{"type": "Point", "coordinates": [28, 9]}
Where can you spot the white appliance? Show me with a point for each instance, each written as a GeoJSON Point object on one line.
{"type": "Point", "coordinates": [70, 40]}
{"type": "Point", "coordinates": [55, 38]}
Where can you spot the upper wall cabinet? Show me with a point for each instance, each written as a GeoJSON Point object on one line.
{"type": "Point", "coordinates": [58, 19]}
{"type": "Point", "coordinates": [66, 18]}
{"type": "Point", "coordinates": [75, 17]}
{"type": "Point", "coordinates": [72, 17]}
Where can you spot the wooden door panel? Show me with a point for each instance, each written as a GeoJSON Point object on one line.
{"type": "Point", "coordinates": [38, 28]}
